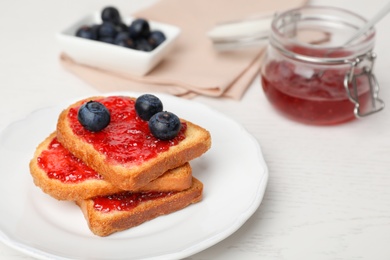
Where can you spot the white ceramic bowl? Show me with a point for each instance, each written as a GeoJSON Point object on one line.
{"type": "Point", "coordinates": [111, 57]}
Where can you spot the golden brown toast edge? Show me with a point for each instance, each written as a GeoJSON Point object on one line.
{"type": "Point", "coordinates": [104, 224]}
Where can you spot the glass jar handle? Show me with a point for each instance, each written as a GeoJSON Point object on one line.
{"type": "Point", "coordinates": [377, 104]}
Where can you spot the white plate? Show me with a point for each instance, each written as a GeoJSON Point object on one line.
{"type": "Point", "coordinates": [115, 58]}
{"type": "Point", "coordinates": [233, 172]}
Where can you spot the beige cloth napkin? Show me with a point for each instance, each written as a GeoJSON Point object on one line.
{"type": "Point", "coordinates": [194, 67]}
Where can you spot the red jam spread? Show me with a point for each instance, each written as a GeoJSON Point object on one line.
{"type": "Point", "coordinates": [127, 138]}
{"type": "Point", "coordinates": [126, 201]}
{"type": "Point", "coordinates": [318, 98]}
{"type": "Point", "coordinates": [60, 164]}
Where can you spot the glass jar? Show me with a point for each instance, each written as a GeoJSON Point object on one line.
{"type": "Point", "coordinates": [312, 74]}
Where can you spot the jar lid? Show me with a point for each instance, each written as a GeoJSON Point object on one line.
{"type": "Point", "coordinates": [291, 30]}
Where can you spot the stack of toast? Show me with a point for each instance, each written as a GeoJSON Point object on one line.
{"type": "Point", "coordinates": [121, 176]}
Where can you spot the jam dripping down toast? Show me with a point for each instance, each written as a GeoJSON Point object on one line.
{"type": "Point", "coordinates": [104, 220]}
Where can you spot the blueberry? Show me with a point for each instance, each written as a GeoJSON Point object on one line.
{"type": "Point", "coordinates": [123, 39]}
{"type": "Point", "coordinates": [156, 38]}
{"type": "Point", "coordinates": [112, 30]}
{"type": "Point", "coordinates": [87, 32]}
{"type": "Point", "coordinates": [107, 40]}
{"type": "Point", "coordinates": [95, 30]}
{"type": "Point", "coordinates": [143, 45]}
{"type": "Point", "coordinates": [121, 36]}
{"type": "Point", "coordinates": [139, 28]}
{"type": "Point", "coordinates": [121, 27]}
{"type": "Point", "coordinates": [107, 30]}
{"type": "Point", "coordinates": [147, 105]}
{"type": "Point", "coordinates": [111, 14]}
{"type": "Point", "coordinates": [93, 116]}
{"type": "Point", "coordinates": [164, 125]}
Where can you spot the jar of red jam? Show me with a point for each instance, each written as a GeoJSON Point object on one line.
{"type": "Point", "coordinates": [313, 73]}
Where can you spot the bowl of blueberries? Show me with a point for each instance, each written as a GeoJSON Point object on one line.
{"type": "Point", "coordinates": [109, 41]}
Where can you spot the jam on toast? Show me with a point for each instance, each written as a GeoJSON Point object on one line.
{"type": "Point", "coordinates": [65, 177]}
{"type": "Point", "coordinates": [125, 153]}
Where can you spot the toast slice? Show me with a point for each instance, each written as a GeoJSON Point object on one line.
{"type": "Point", "coordinates": [103, 219]}
{"type": "Point", "coordinates": [125, 153]}
{"type": "Point", "coordinates": [65, 177]}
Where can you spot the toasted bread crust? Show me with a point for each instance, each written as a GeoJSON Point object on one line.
{"type": "Point", "coordinates": [176, 179]}
{"type": "Point", "coordinates": [128, 176]}
{"type": "Point", "coordinates": [104, 224]}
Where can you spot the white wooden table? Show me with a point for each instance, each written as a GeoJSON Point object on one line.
{"type": "Point", "coordinates": [328, 195]}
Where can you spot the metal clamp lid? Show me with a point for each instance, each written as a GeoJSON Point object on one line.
{"type": "Point", "coordinates": [377, 104]}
